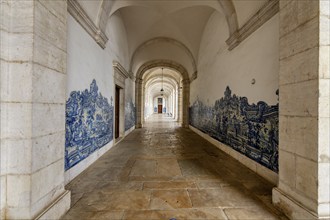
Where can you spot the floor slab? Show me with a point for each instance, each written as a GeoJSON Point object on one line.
{"type": "Point", "coordinates": [163, 171]}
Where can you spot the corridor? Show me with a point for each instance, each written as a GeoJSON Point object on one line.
{"type": "Point", "coordinates": [163, 171]}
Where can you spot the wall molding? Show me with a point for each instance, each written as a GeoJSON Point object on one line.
{"type": "Point", "coordinates": [261, 17]}
{"type": "Point", "coordinates": [121, 70]}
{"type": "Point", "coordinates": [79, 14]}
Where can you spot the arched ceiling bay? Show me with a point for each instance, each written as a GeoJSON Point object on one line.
{"type": "Point", "coordinates": [155, 79]}
{"type": "Point", "coordinates": [157, 73]}
{"type": "Point", "coordinates": [185, 25]}
{"type": "Point", "coordinates": [180, 20]}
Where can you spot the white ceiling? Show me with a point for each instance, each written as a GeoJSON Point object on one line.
{"type": "Point", "coordinates": [155, 79]}
{"type": "Point", "coordinates": [181, 20]}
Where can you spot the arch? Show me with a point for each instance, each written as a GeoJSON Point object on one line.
{"type": "Point", "coordinates": [139, 88]}
{"type": "Point", "coordinates": [167, 40]}
{"type": "Point", "coordinates": [167, 85]}
{"type": "Point", "coordinates": [104, 14]}
{"type": "Point", "coordinates": [228, 9]}
{"type": "Point", "coordinates": [162, 63]}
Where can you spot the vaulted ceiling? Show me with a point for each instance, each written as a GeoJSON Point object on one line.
{"type": "Point", "coordinates": [168, 29]}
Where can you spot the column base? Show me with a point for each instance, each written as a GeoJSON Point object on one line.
{"type": "Point", "coordinates": [58, 208]}
{"type": "Point", "coordinates": [291, 208]}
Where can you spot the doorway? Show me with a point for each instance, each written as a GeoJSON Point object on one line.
{"type": "Point", "coordinates": [160, 105]}
{"type": "Point", "coordinates": [117, 111]}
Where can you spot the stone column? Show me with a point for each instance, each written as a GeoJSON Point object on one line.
{"type": "Point", "coordinates": [180, 106]}
{"type": "Point", "coordinates": [303, 188]}
{"type": "Point", "coordinates": [33, 85]}
{"type": "Point", "coordinates": [138, 103]}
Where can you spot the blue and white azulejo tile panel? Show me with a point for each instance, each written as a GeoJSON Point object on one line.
{"type": "Point", "coordinates": [89, 124]}
{"type": "Point", "coordinates": [129, 115]}
{"type": "Point", "coordinates": [249, 129]}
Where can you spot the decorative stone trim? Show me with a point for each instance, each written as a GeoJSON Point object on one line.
{"type": "Point", "coordinates": [162, 63]}
{"type": "Point", "coordinates": [78, 13]}
{"type": "Point", "coordinates": [261, 17]}
{"type": "Point", "coordinates": [120, 69]}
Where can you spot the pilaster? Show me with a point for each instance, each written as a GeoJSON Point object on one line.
{"type": "Point", "coordinates": [33, 84]}
{"type": "Point", "coordinates": [304, 151]}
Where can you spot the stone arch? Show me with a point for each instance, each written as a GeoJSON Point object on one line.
{"type": "Point", "coordinates": [139, 88]}
{"type": "Point", "coordinates": [228, 9]}
{"type": "Point", "coordinates": [167, 40]}
{"type": "Point", "coordinates": [104, 14]}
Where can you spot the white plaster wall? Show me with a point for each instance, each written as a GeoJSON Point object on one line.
{"type": "Point", "coordinates": [87, 61]}
{"type": "Point", "coordinates": [255, 58]}
{"type": "Point", "coordinates": [246, 9]}
{"type": "Point", "coordinates": [117, 45]}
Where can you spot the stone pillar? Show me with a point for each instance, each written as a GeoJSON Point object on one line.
{"type": "Point", "coordinates": [177, 103]}
{"type": "Point", "coordinates": [185, 102]}
{"type": "Point", "coordinates": [180, 106]}
{"type": "Point", "coordinates": [33, 85]}
{"type": "Point", "coordinates": [139, 103]}
{"type": "Point", "coordinates": [303, 190]}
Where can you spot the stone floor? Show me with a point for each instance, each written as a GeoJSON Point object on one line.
{"type": "Point", "coordinates": [166, 172]}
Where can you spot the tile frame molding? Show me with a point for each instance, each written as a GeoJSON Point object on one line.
{"type": "Point", "coordinates": [80, 15]}
{"type": "Point", "coordinates": [266, 12]}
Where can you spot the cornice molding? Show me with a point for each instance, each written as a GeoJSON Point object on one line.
{"type": "Point", "coordinates": [78, 13]}
{"type": "Point", "coordinates": [262, 16]}
{"type": "Point", "coordinates": [121, 70]}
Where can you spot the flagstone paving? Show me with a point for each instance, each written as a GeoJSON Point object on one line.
{"type": "Point", "coordinates": [163, 171]}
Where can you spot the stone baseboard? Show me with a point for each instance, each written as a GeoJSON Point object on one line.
{"type": "Point", "coordinates": [58, 208]}
{"type": "Point", "coordinates": [291, 208]}
{"type": "Point", "coordinates": [129, 131]}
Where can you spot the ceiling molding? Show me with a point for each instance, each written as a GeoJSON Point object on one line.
{"type": "Point", "coordinates": [79, 14]}
{"type": "Point", "coordinates": [262, 16]}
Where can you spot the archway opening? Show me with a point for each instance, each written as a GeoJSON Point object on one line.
{"type": "Point", "coordinates": [162, 87]}
{"type": "Point", "coordinates": [162, 94]}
